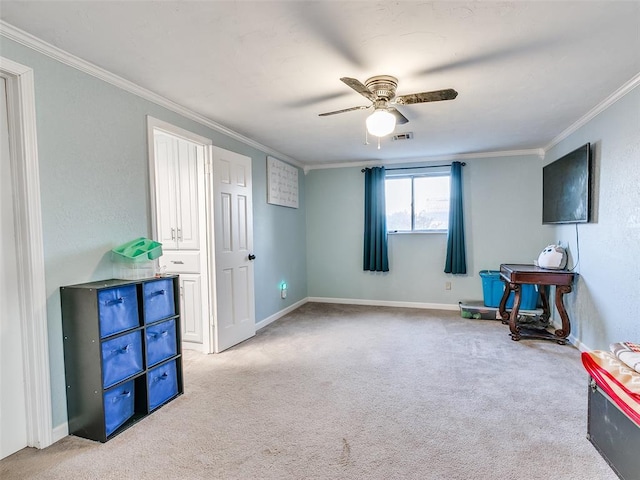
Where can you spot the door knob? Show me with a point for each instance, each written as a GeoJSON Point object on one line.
{"type": "Point", "coordinates": [252, 256]}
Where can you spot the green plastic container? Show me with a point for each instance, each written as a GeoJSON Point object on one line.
{"type": "Point", "coordinates": [138, 250]}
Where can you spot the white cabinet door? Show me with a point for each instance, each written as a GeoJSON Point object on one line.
{"type": "Point", "coordinates": [188, 195]}
{"type": "Point", "coordinates": [165, 187]}
{"type": "Point", "coordinates": [179, 191]}
{"type": "Point", "coordinates": [191, 308]}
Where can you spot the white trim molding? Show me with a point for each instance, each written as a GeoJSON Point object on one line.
{"type": "Point", "coordinates": [385, 303]}
{"type": "Point", "coordinates": [595, 111]}
{"type": "Point", "coordinates": [578, 344]}
{"type": "Point", "coordinates": [539, 152]}
{"type": "Point", "coordinates": [24, 38]}
{"type": "Point", "coordinates": [276, 316]}
{"type": "Point", "coordinates": [354, 301]}
{"type": "Point", "coordinates": [30, 250]}
{"type": "Point", "coordinates": [60, 432]}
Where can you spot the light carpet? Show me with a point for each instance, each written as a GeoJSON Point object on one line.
{"type": "Point", "coordinates": [353, 392]}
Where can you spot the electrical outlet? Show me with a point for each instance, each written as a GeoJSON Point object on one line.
{"type": "Point", "coordinates": [447, 286]}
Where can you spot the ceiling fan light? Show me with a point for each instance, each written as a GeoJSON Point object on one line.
{"type": "Point", "coordinates": [381, 123]}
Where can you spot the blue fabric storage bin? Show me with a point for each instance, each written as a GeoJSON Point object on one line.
{"type": "Point", "coordinates": [493, 288]}
{"type": "Point", "coordinates": [161, 342]}
{"type": "Point", "coordinates": [121, 358]}
{"type": "Point", "coordinates": [162, 383]}
{"type": "Point", "coordinates": [118, 406]}
{"type": "Point", "coordinates": [117, 310]}
{"type": "Point", "coordinates": [158, 300]}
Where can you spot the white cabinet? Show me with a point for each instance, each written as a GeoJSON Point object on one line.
{"type": "Point", "coordinates": [179, 180]}
{"type": "Point", "coordinates": [178, 192]}
{"type": "Point", "coordinates": [191, 307]}
{"type": "Point", "coordinates": [187, 265]}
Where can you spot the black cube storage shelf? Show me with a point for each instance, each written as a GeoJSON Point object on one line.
{"type": "Point", "coordinates": [122, 353]}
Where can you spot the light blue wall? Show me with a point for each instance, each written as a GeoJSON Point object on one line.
{"type": "Point", "coordinates": [95, 192]}
{"type": "Point", "coordinates": [95, 195]}
{"type": "Point", "coordinates": [502, 209]}
{"type": "Point", "coordinates": [606, 303]}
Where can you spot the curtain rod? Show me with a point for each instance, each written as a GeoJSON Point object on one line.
{"type": "Point", "coordinates": [413, 168]}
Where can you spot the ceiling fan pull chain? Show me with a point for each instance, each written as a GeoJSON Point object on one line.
{"type": "Point", "coordinates": [378, 143]}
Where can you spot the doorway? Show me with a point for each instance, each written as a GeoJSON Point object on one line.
{"type": "Point", "coordinates": [202, 214]}
{"type": "Point", "coordinates": [13, 416]}
{"type": "Point", "coordinates": [23, 255]}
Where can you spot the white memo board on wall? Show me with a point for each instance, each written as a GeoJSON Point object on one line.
{"type": "Point", "coordinates": [282, 183]}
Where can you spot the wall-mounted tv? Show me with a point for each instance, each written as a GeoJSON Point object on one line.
{"type": "Point", "coordinates": [566, 188]}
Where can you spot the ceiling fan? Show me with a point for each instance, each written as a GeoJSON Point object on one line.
{"type": "Point", "coordinates": [381, 91]}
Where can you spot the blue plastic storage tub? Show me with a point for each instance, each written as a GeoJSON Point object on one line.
{"type": "Point", "coordinates": [161, 342]}
{"type": "Point", "coordinates": [162, 382]}
{"type": "Point", "coordinates": [493, 288]}
{"type": "Point", "coordinates": [121, 358]}
{"type": "Point", "coordinates": [117, 310]}
{"type": "Point", "coordinates": [158, 300]}
{"type": "Point", "coordinates": [118, 406]}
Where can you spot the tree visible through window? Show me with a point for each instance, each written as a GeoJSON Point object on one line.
{"type": "Point", "coordinates": [417, 203]}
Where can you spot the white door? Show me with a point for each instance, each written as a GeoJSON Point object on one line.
{"type": "Point", "coordinates": [13, 423]}
{"type": "Point", "coordinates": [233, 234]}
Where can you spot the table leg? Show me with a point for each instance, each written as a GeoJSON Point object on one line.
{"type": "Point", "coordinates": [502, 307]}
{"type": "Point", "coordinates": [513, 318]}
{"type": "Point", "coordinates": [566, 326]}
{"type": "Point", "coordinates": [546, 310]}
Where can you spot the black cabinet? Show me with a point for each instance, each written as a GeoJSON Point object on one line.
{"type": "Point", "coordinates": [122, 352]}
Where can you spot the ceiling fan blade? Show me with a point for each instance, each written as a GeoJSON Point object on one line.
{"type": "Point", "coordinates": [435, 96]}
{"type": "Point", "coordinates": [359, 87]}
{"type": "Point", "coordinates": [400, 118]}
{"type": "Point", "coordinates": [361, 107]}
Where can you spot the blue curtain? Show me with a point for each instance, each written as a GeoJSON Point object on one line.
{"type": "Point", "coordinates": [375, 221]}
{"type": "Point", "coordinates": [456, 261]}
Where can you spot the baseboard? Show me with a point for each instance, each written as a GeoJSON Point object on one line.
{"type": "Point", "coordinates": [60, 432]}
{"type": "Point", "coordinates": [385, 303]}
{"type": "Point", "coordinates": [196, 347]}
{"type": "Point", "coordinates": [578, 344]}
{"type": "Point", "coordinates": [272, 318]}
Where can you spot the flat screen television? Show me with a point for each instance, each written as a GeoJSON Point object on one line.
{"type": "Point", "coordinates": [566, 188]}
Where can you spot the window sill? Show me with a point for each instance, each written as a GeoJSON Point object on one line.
{"type": "Point", "coordinates": [417, 232]}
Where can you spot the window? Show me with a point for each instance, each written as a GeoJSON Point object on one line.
{"type": "Point", "coordinates": [417, 203]}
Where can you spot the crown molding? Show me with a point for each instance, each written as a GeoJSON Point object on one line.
{"type": "Point", "coordinates": [436, 158]}
{"type": "Point", "coordinates": [595, 111]}
{"type": "Point", "coordinates": [13, 33]}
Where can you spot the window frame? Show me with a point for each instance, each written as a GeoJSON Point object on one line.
{"type": "Point", "coordinates": [413, 176]}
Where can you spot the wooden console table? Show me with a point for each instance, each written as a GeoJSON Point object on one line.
{"type": "Point", "coordinates": [515, 275]}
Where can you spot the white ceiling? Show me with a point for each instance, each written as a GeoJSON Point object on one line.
{"type": "Point", "coordinates": [525, 71]}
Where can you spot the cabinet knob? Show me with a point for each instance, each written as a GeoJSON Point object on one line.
{"type": "Point", "coordinates": [252, 256]}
